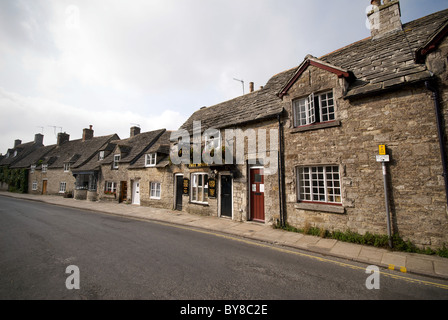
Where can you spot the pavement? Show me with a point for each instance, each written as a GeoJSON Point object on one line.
{"type": "Point", "coordinates": [401, 262]}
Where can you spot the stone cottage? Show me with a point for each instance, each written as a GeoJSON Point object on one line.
{"type": "Point", "coordinates": [14, 159]}
{"type": "Point", "coordinates": [114, 161]}
{"type": "Point", "coordinates": [228, 156]}
{"type": "Point", "coordinates": [340, 108]}
{"type": "Point", "coordinates": [53, 172]}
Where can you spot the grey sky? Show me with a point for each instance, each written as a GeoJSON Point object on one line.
{"type": "Point", "coordinates": [115, 63]}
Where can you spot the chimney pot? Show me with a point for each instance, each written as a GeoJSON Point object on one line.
{"type": "Point", "coordinates": [39, 139]}
{"type": "Point", "coordinates": [62, 138]}
{"type": "Point", "coordinates": [251, 86]}
{"type": "Point", "coordinates": [135, 131]}
{"type": "Point", "coordinates": [384, 18]}
{"type": "Point", "coordinates": [87, 134]}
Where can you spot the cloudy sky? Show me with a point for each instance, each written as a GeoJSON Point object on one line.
{"type": "Point", "coordinates": [65, 65]}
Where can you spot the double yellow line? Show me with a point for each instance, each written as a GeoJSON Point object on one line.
{"type": "Point", "coordinates": [288, 251]}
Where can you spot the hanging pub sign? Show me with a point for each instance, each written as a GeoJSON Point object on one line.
{"type": "Point", "coordinates": [186, 187]}
{"type": "Point", "coordinates": [212, 188]}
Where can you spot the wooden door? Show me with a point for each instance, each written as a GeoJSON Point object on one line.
{"type": "Point", "coordinates": [44, 187]}
{"type": "Point", "coordinates": [179, 192]}
{"type": "Point", "coordinates": [123, 191]}
{"type": "Point", "coordinates": [226, 196]}
{"type": "Point", "coordinates": [257, 195]}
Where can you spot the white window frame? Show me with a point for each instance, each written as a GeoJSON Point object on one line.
{"type": "Point", "coordinates": [111, 186]}
{"type": "Point", "coordinates": [44, 168]}
{"type": "Point", "coordinates": [33, 168]}
{"type": "Point", "coordinates": [198, 188]}
{"type": "Point", "coordinates": [62, 187]}
{"type": "Point", "coordinates": [34, 187]}
{"type": "Point", "coordinates": [117, 158]}
{"type": "Point", "coordinates": [66, 167]}
{"type": "Point", "coordinates": [214, 143]}
{"type": "Point", "coordinates": [155, 190]}
{"type": "Point", "coordinates": [304, 109]}
{"type": "Point", "coordinates": [320, 184]}
{"type": "Point", "coordinates": [101, 156]}
{"type": "Point", "coordinates": [15, 154]}
{"type": "Point", "coordinates": [150, 160]}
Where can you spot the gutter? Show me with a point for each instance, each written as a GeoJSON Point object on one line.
{"type": "Point", "coordinates": [439, 119]}
{"type": "Point", "coordinates": [280, 173]}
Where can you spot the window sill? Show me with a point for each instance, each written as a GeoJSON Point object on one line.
{"type": "Point", "coordinates": [205, 204]}
{"type": "Point", "coordinates": [317, 126]}
{"type": "Point", "coordinates": [331, 208]}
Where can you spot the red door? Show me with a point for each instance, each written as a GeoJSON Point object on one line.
{"type": "Point", "coordinates": [256, 195]}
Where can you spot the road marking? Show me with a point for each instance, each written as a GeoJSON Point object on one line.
{"type": "Point", "coordinates": [289, 251]}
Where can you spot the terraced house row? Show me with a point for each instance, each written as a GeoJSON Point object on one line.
{"type": "Point", "coordinates": [301, 150]}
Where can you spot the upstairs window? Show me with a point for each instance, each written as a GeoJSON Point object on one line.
{"type": "Point", "coordinates": [101, 155]}
{"type": "Point", "coordinates": [150, 160]}
{"type": "Point", "coordinates": [316, 108]}
{"type": "Point", "coordinates": [66, 167]}
{"type": "Point", "coordinates": [33, 168]}
{"type": "Point", "coordinates": [117, 158]}
{"type": "Point", "coordinates": [44, 168]}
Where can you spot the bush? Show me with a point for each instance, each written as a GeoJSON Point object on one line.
{"type": "Point", "coordinates": [375, 240]}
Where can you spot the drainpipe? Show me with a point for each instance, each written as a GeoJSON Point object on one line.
{"type": "Point", "coordinates": [280, 171]}
{"type": "Point", "coordinates": [435, 97]}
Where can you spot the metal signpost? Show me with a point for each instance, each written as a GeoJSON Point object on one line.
{"type": "Point", "coordinates": [385, 158]}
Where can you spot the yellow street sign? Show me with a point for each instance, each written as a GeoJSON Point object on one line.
{"type": "Point", "coordinates": [382, 150]}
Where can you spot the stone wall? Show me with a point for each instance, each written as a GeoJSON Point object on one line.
{"type": "Point", "coordinates": [164, 176]}
{"type": "Point", "coordinates": [403, 120]}
{"type": "Point", "coordinates": [239, 170]}
{"type": "Point", "coordinates": [54, 177]}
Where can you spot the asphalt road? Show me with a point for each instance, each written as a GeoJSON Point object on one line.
{"type": "Point", "coordinates": [120, 258]}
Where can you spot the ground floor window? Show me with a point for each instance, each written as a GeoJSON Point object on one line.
{"type": "Point", "coordinates": [62, 187]}
{"type": "Point", "coordinates": [111, 187]}
{"type": "Point", "coordinates": [319, 184]}
{"type": "Point", "coordinates": [199, 187]}
{"type": "Point", "coordinates": [156, 188]}
{"type": "Point", "coordinates": [34, 185]}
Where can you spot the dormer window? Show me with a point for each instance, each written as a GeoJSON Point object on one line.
{"type": "Point", "coordinates": [117, 158]}
{"type": "Point", "coordinates": [66, 167]}
{"type": "Point", "coordinates": [44, 168]}
{"type": "Point", "coordinates": [316, 108]}
{"type": "Point", "coordinates": [33, 167]}
{"type": "Point", "coordinates": [150, 160]}
{"type": "Point", "coordinates": [15, 153]}
{"type": "Point", "coordinates": [101, 156]}
{"type": "Point", "coordinates": [213, 140]}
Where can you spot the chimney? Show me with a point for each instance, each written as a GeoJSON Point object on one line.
{"type": "Point", "coordinates": [135, 131]}
{"type": "Point", "coordinates": [17, 142]}
{"type": "Point", "coordinates": [62, 138]}
{"type": "Point", "coordinates": [87, 134]}
{"type": "Point", "coordinates": [251, 87]}
{"type": "Point", "coordinates": [39, 139]}
{"type": "Point", "coordinates": [384, 18]}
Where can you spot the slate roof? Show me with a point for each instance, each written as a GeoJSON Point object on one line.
{"type": "Point", "coordinates": [132, 148]}
{"type": "Point", "coordinates": [23, 150]}
{"type": "Point", "coordinates": [379, 64]}
{"type": "Point", "coordinates": [254, 106]}
{"type": "Point", "coordinates": [161, 146]}
{"type": "Point", "coordinates": [33, 157]}
{"type": "Point", "coordinates": [374, 65]}
{"type": "Point", "coordinates": [76, 152]}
